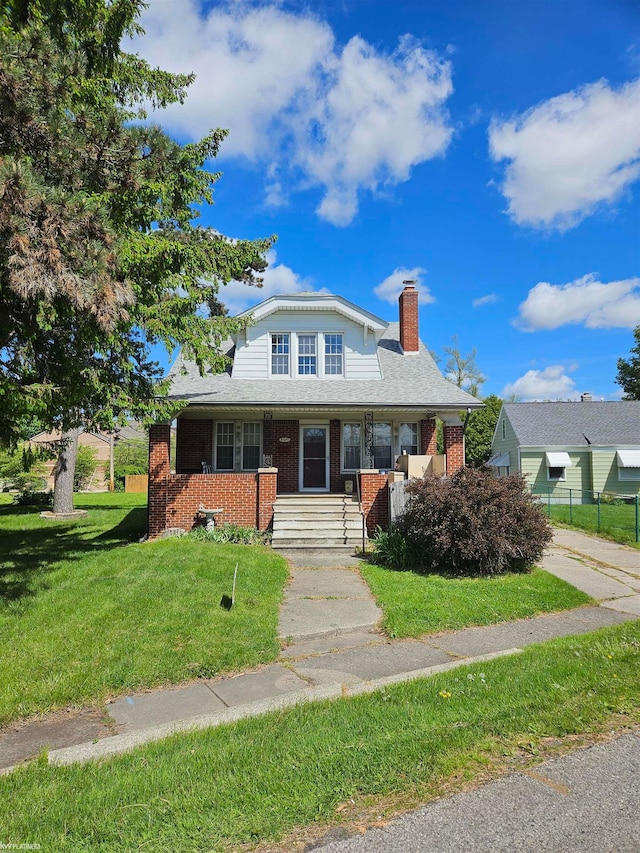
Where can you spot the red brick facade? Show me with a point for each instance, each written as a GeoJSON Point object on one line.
{"type": "Point", "coordinates": [335, 477]}
{"type": "Point", "coordinates": [247, 498]}
{"type": "Point", "coordinates": [375, 499]}
{"type": "Point", "coordinates": [174, 498]}
{"type": "Point", "coordinates": [285, 455]}
{"type": "Point", "coordinates": [428, 437]}
{"type": "Point", "coordinates": [454, 448]}
{"type": "Point", "coordinates": [409, 339]}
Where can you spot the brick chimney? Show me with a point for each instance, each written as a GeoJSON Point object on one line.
{"type": "Point", "coordinates": [408, 303]}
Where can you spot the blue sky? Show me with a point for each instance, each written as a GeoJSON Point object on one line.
{"type": "Point", "coordinates": [491, 150]}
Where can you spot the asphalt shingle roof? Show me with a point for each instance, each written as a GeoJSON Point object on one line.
{"type": "Point", "coordinates": [573, 424]}
{"type": "Point", "coordinates": [408, 380]}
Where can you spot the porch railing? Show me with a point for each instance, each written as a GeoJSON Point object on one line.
{"type": "Point", "coordinates": [362, 516]}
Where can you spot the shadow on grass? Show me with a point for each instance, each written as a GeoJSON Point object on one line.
{"type": "Point", "coordinates": [30, 555]}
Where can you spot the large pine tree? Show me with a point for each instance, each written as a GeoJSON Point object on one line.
{"type": "Point", "coordinates": [101, 255]}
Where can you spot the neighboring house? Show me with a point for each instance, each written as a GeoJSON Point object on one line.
{"type": "Point", "coordinates": [97, 441]}
{"type": "Point", "coordinates": [319, 395]}
{"type": "Point", "coordinates": [591, 446]}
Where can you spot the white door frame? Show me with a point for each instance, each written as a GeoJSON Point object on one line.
{"type": "Point", "coordinates": [325, 427]}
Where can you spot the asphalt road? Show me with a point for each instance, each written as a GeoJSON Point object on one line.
{"type": "Point", "coordinates": [586, 802]}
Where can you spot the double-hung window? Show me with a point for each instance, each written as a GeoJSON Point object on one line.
{"type": "Point", "coordinates": [307, 358]}
{"type": "Point", "coordinates": [409, 439]}
{"type": "Point", "coordinates": [382, 446]}
{"type": "Point", "coordinates": [333, 355]}
{"type": "Point", "coordinates": [280, 354]}
{"type": "Point", "coordinates": [351, 437]}
{"type": "Point", "coordinates": [224, 446]}
{"type": "Point", "coordinates": [251, 436]}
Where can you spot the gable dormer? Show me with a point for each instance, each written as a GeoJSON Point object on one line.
{"type": "Point", "coordinates": [309, 336]}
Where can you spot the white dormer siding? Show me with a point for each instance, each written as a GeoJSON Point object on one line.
{"type": "Point", "coordinates": [253, 350]}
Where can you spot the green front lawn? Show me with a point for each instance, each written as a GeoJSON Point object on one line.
{"type": "Point", "coordinates": [319, 764]}
{"type": "Point", "coordinates": [616, 522]}
{"type": "Point", "coordinates": [85, 614]}
{"type": "Point", "coordinates": [416, 604]}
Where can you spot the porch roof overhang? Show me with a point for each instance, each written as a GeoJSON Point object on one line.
{"type": "Point", "coordinates": [327, 410]}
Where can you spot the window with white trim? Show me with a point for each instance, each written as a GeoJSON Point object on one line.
{"type": "Point", "coordinates": [333, 355]}
{"type": "Point", "coordinates": [556, 472]}
{"type": "Point", "coordinates": [307, 358]}
{"type": "Point", "coordinates": [251, 444]}
{"type": "Point", "coordinates": [504, 429]}
{"type": "Point", "coordinates": [628, 472]}
{"type": "Point", "coordinates": [351, 443]}
{"type": "Point", "coordinates": [280, 344]}
{"type": "Point", "coordinates": [409, 439]}
{"type": "Point", "coordinates": [225, 442]}
{"type": "Point", "coordinates": [382, 446]}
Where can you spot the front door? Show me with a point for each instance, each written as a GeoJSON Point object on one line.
{"type": "Point", "coordinates": [314, 458]}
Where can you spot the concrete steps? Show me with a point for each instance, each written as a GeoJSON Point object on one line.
{"type": "Point", "coordinates": [316, 522]}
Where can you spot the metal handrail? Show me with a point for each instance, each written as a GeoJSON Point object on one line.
{"type": "Point", "coordinates": [364, 533]}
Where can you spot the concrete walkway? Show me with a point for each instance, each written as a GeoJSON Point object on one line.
{"type": "Point", "coordinates": [333, 649]}
{"type": "Point", "coordinates": [605, 570]}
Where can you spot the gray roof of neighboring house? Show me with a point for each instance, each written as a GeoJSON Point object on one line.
{"type": "Point", "coordinates": [574, 424]}
{"type": "Point", "coordinates": [408, 380]}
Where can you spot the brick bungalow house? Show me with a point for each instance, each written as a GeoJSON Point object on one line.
{"type": "Point", "coordinates": [320, 397]}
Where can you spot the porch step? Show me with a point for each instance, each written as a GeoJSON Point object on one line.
{"type": "Point", "coordinates": [347, 522]}
{"type": "Point", "coordinates": [316, 522]}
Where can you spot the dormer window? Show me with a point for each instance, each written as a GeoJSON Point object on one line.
{"type": "Point", "coordinates": [307, 354]}
{"type": "Point", "coordinates": [333, 355]}
{"type": "Point", "coordinates": [280, 355]}
{"type": "Point", "coordinates": [307, 358]}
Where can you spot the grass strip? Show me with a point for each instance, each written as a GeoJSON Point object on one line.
{"type": "Point", "coordinates": [261, 778]}
{"type": "Point", "coordinates": [617, 522]}
{"type": "Point", "coordinates": [83, 617]}
{"type": "Point", "coordinates": [416, 604]}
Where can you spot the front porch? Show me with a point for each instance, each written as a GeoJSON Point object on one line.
{"type": "Point", "coordinates": [240, 464]}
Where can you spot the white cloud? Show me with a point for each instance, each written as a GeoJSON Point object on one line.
{"type": "Point", "coordinates": [569, 154]}
{"type": "Point", "coordinates": [389, 290]}
{"type": "Point", "coordinates": [484, 300]}
{"type": "Point", "coordinates": [278, 278]}
{"type": "Point", "coordinates": [347, 120]}
{"type": "Point", "coordinates": [552, 383]}
{"type": "Point", "coordinates": [379, 117]}
{"type": "Point", "coordinates": [586, 300]}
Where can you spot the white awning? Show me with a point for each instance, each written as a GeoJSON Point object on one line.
{"type": "Point", "coordinates": [558, 459]}
{"type": "Point", "coordinates": [628, 458]}
{"type": "Point", "coordinates": [500, 460]}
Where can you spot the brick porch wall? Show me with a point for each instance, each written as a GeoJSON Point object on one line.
{"type": "Point", "coordinates": [286, 456]}
{"type": "Point", "coordinates": [454, 448]}
{"type": "Point", "coordinates": [335, 478]}
{"type": "Point", "coordinates": [428, 437]}
{"type": "Point", "coordinates": [174, 499]}
{"type": "Point", "coordinates": [159, 471]}
{"type": "Point", "coordinates": [375, 499]}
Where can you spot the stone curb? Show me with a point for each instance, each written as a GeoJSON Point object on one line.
{"type": "Point", "coordinates": [119, 744]}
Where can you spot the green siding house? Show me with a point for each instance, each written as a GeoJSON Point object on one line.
{"type": "Point", "coordinates": [588, 447]}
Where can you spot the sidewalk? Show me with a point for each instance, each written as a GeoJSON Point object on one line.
{"type": "Point", "coordinates": [329, 620]}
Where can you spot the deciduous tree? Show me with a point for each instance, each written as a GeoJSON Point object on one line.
{"type": "Point", "coordinates": [629, 370]}
{"type": "Point", "coordinates": [480, 429]}
{"type": "Point", "coordinates": [462, 369]}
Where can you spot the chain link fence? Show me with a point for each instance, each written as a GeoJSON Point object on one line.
{"type": "Point", "coordinates": [601, 512]}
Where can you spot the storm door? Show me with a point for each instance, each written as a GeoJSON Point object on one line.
{"type": "Point", "coordinates": [314, 460]}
